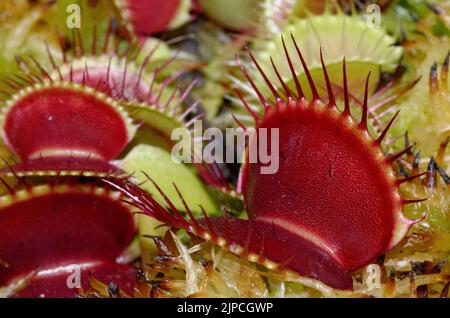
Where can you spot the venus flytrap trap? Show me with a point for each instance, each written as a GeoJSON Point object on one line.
{"type": "Point", "coordinates": [366, 49]}
{"type": "Point", "coordinates": [75, 150]}
{"type": "Point", "coordinates": [147, 17]}
{"type": "Point", "coordinates": [314, 171]}
{"type": "Point", "coordinates": [67, 109]}
{"type": "Point", "coordinates": [94, 248]}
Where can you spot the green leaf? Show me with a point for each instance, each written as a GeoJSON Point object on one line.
{"type": "Point", "coordinates": [158, 164]}
{"type": "Point", "coordinates": [440, 29]}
